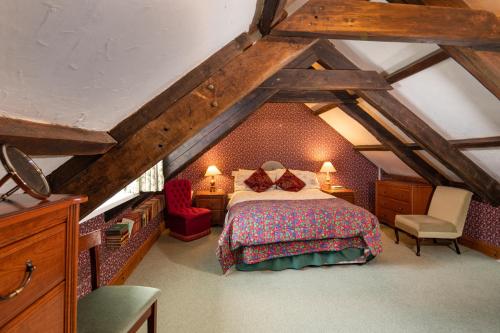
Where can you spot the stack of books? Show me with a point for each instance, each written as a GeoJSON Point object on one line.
{"type": "Point", "coordinates": [117, 235]}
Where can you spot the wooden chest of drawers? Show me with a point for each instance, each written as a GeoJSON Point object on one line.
{"type": "Point", "coordinates": [215, 201]}
{"type": "Point", "coordinates": [38, 258]}
{"type": "Point", "coordinates": [398, 197]}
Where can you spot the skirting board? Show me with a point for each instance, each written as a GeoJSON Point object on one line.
{"type": "Point", "coordinates": [136, 258]}
{"type": "Point", "coordinates": [486, 248]}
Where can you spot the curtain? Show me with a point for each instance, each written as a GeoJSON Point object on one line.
{"type": "Point", "coordinates": [151, 181]}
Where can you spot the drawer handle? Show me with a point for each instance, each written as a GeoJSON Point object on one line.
{"type": "Point", "coordinates": [26, 280]}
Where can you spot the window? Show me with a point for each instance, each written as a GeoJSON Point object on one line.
{"type": "Point", "coordinates": [151, 181]}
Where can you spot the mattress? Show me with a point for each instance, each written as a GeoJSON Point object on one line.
{"type": "Point", "coordinates": [279, 224]}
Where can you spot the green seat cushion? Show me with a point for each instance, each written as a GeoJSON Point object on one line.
{"type": "Point", "coordinates": [114, 308]}
{"type": "Point", "coordinates": [308, 259]}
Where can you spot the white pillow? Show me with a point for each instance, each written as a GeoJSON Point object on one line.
{"type": "Point", "coordinates": [308, 177]}
{"type": "Point", "coordinates": [242, 174]}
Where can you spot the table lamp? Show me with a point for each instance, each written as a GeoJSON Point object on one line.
{"type": "Point", "coordinates": [328, 167]}
{"type": "Point", "coordinates": [212, 171]}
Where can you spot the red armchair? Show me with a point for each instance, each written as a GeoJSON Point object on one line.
{"type": "Point", "coordinates": [186, 223]}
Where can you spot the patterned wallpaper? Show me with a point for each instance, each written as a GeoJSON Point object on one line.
{"type": "Point", "coordinates": [292, 135]}
{"type": "Point", "coordinates": [112, 260]}
{"type": "Point", "coordinates": [483, 223]}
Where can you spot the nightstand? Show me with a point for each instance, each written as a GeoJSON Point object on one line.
{"type": "Point", "coordinates": [342, 193]}
{"type": "Point", "coordinates": [215, 201]}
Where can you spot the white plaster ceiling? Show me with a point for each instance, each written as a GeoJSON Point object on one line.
{"type": "Point", "coordinates": [92, 63]}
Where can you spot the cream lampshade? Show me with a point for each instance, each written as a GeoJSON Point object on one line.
{"type": "Point", "coordinates": [212, 171]}
{"type": "Point", "coordinates": [327, 167]}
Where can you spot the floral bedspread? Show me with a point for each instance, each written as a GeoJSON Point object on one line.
{"type": "Point", "coordinates": [252, 224]}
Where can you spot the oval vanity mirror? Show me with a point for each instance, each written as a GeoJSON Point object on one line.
{"type": "Point", "coordinates": [24, 172]}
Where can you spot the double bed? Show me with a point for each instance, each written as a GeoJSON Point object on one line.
{"type": "Point", "coordinates": [278, 229]}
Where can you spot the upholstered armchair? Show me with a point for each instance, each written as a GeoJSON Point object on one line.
{"type": "Point", "coordinates": [444, 220]}
{"type": "Point", "coordinates": [186, 223]}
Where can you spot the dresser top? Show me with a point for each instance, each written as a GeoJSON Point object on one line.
{"type": "Point", "coordinates": [404, 183]}
{"type": "Point", "coordinates": [22, 203]}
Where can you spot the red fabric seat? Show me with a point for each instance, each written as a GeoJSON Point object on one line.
{"type": "Point", "coordinates": [186, 223]}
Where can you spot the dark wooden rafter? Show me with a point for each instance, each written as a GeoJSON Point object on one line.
{"type": "Point", "coordinates": [417, 66]}
{"type": "Point", "coordinates": [475, 177]}
{"type": "Point", "coordinates": [475, 143]}
{"type": "Point", "coordinates": [190, 150]}
{"type": "Point", "coordinates": [151, 110]}
{"type": "Point", "coordinates": [272, 12]}
{"type": "Point", "coordinates": [326, 108]}
{"type": "Point", "coordinates": [309, 96]}
{"type": "Point", "coordinates": [310, 79]}
{"type": "Point", "coordinates": [398, 148]}
{"type": "Point", "coordinates": [181, 121]}
{"type": "Point", "coordinates": [215, 131]}
{"type": "Point", "coordinates": [451, 157]}
{"type": "Point", "coordinates": [483, 65]}
{"type": "Point", "coordinates": [392, 22]}
{"type": "Point", "coordinates": [47, 139]}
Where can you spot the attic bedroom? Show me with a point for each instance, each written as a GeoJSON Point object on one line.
{"type": "Point", "coordinates": [250, 166]}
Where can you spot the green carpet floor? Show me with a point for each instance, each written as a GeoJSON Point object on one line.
{"type": "Point", "coordinates": [396, 292]}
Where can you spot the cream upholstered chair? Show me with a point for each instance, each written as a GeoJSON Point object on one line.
{"type": "Point", "coordinates": [445, 219]}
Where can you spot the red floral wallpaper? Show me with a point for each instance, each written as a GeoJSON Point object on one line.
{"type": "Point", "coordinates": [292, 135]}
{"type": "Point", "coordinates": [483, 223]}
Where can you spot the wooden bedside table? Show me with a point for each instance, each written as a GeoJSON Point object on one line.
{"type": "Point", "coordinates": [215, 201]}
{"type": "Point", "coordinates": [343, 193]}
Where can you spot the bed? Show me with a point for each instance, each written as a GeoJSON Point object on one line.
{"type": "Point", "coordinates": [276, 229]}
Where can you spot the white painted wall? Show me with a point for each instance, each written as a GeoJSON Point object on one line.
{"type": "Point", "coordinates": [92, 63]}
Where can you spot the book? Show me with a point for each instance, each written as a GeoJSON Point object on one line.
{"type": "Point", "coordinates": [117, 229]}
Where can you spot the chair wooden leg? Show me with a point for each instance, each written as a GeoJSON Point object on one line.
{"type": "Point", "coordinates": [396, 232]}
{"type": "Point", "coordinates": [418, 246]}
{"type": "Point", "coordinates": [456, 246]}
{"type": "Point", "coordinates": [152, 319]}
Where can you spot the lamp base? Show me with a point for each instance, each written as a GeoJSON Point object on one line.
{"type": "Point", "coordinates": [212, 184]}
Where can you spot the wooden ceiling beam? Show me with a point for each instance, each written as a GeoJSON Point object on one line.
{"type": "Point", "coordinates": [151, 110]}
{"type": "Point", "coordinates": [326, 108]}
{"type": "Point", "coordinates": [346, 19]}
{"type": "Point", "coordinates": [214, 132]}
{"type": "Point", "coordinates": [483, 65]}
{"type": "Point", "coordinates": [308, 96]}
{"type": "Point", "coordinates": [474, 177]}
{"type": "Point", "coordinates": [390, 140]}
{"type": "Point", "coordinates": [419, 65]}
{"type": "Point", "coordinates": [48, 139]}
{"type": "Point", "coordinates": [474, 143]}
{"type": "Point", "coordinates": [310, 79]}
{"type": "Point", "coordinates": [182, 120]}
{"type": "Point", "coordinates": [272, 12]}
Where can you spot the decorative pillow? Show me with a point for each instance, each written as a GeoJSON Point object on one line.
{"type": "Point", "coordinates": [289, 182]}
{"type": "Point", "coordinates": [259, 181]}
{"type": "Point", "coordinates": [308, 177]}
{"type": "Point", "coordinates": [242, 174]}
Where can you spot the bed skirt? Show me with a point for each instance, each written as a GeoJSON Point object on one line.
{"type": "Point", "coordinates": [346, 256]}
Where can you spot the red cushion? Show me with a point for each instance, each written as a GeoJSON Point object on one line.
{"type": "Point", "coordinates": [289, 182]}
{"type": "Point", "coordinates": [189, 212]}
{"type": "Point", "coordinates": [259, 181]}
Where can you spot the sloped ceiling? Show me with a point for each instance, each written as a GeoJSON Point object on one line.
{"type": "Point", "coordinates": [446, 96]}
{"type": "Point", "coordinates": [92, 63]}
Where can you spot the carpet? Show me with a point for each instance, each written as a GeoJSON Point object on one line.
{"type": "Point", "coordinates": [396, 292]}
